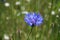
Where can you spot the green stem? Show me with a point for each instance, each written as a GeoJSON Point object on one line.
{"type": "Point", "coordinates": [30, 33]}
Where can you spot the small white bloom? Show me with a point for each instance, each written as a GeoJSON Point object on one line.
{"type": "Point", "coordinates": [6, 37]}
{"type": "Point", "coordinates": [28, 0]}
{"type": "Point", "coordinates": [24, 12]}
{"type": "Point", "coordinates": [53, 13]}
{"type": "Point", "coordinates": [18, 3]}
{"type": "Point", "coordinates": [59, 9]}
{"type": "Point", "coordinates": [7, 4]}
{"type": "Point", "coordinates": [7, 18]}
{"type": "Point", "coordinates": [57, 16]}
{"type": "Point", "coordinates": [50, 4]}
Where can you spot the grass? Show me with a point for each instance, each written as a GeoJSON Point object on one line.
{"type": "Point", "coordinates": [14, 25]}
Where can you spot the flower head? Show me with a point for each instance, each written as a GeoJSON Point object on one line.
{"type": "Point", "coordinates": [33, 19]}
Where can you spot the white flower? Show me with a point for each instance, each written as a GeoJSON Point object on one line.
{"type": "Point", "coordinates": [57, 16]}
{"type": "Point", "coordinates": [53, 13]}
{"type": "Point", "coordinates": [24, 12]}
{"type": "Point", "coordinates": [7, 18]}
{"type": "Point", "coordinates": [7, 4]}
{"type": "Point", "coordinates": [59, 9]}
{"type": "Point", "coordinates": [28, 0]}
{"type": "Point", "coordinates": [6, 37]}
{"type": "Point", "coordinates": [50, 4]}
{"type": "Point", "coordinates": [18, 3]}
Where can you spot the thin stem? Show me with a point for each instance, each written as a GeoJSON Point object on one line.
{"type": "Point", "coordinates": [36, 33]}
{"type": "Point", "coordinates": [29, 33]}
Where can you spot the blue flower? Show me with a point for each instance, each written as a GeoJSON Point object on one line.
{"type": "Point", "coordinates": [33, 19]}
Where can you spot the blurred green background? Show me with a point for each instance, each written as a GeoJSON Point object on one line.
{"type": "Point", "coordinates": [13, 26]}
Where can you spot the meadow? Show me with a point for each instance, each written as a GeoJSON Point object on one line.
{"type": "Point", "coordinates": [14, 27]}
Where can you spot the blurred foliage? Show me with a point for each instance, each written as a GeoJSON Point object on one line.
{"type": "Point", "coordinates": [10, 23]}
